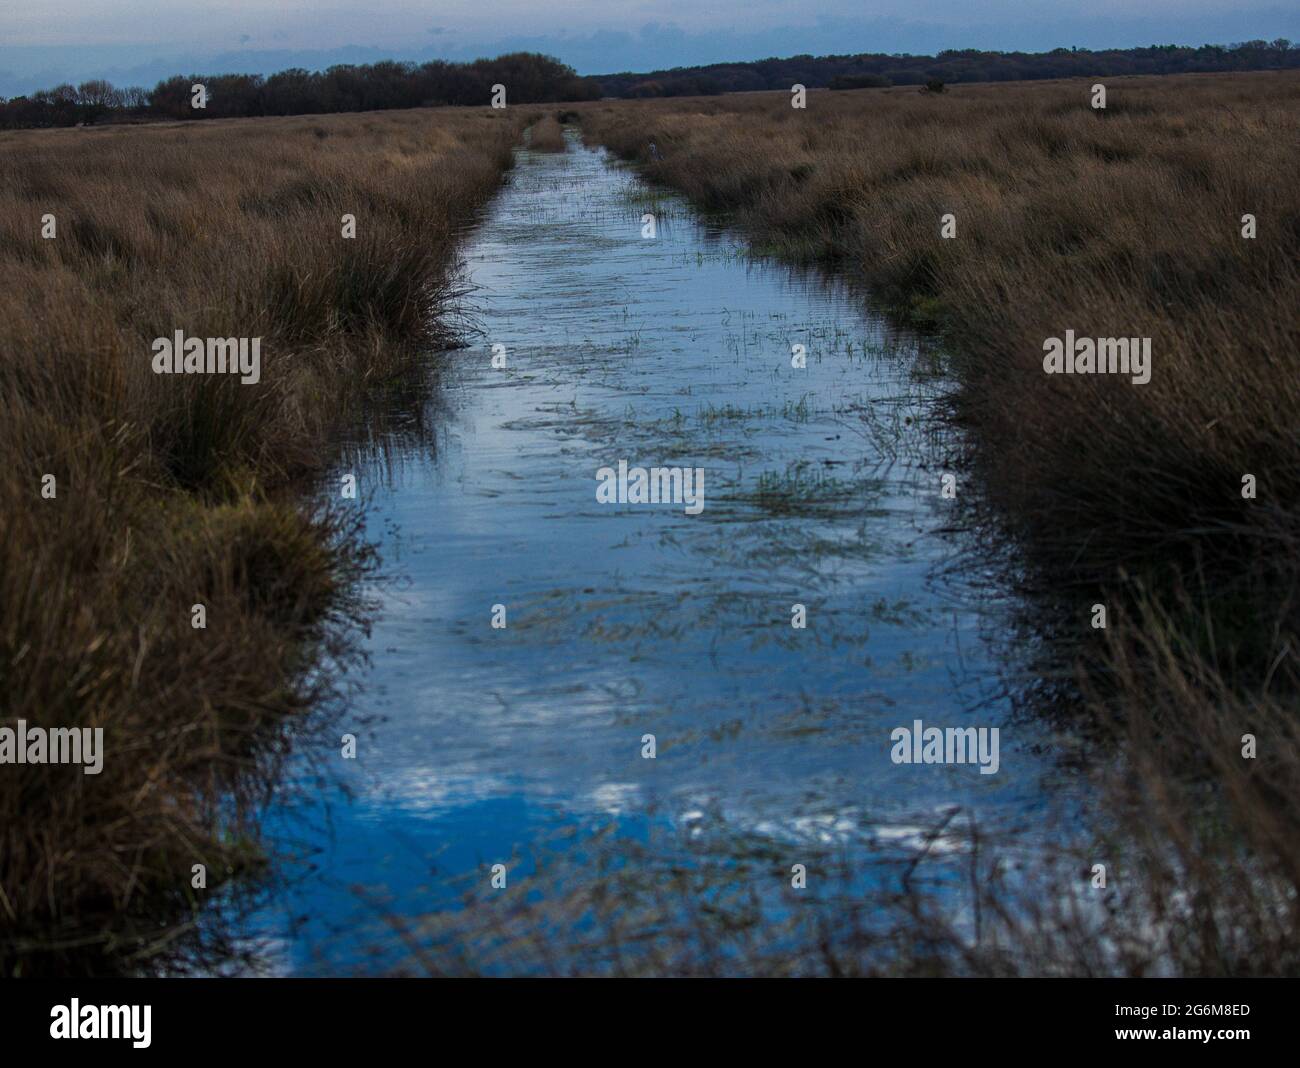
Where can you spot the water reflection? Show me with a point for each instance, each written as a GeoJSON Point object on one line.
{"type": "Point", "coordinates": [478, 745]}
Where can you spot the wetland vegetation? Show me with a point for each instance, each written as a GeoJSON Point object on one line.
{"type": "Point", "coordinates": [498, 332]}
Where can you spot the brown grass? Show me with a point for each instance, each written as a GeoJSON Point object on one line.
{"type": "Point", "coordinates": [172, 490]}
{"type": "Point", "coordinates": [547, 135]}
{"type": "Point", "coordinates": [1123, 223]}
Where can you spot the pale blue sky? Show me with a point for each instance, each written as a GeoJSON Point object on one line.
{"type": "Point", "coordinates": [139, 41]}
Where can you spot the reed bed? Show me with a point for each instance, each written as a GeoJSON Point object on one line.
{"type": "Point", "coordinates": [172, 491]}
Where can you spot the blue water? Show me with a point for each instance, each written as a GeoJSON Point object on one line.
{"type": "Point", "coordinates": [822, 488]}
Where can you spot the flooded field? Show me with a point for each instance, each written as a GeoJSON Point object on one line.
{"type": "Point", "coordinates": [632, 628]}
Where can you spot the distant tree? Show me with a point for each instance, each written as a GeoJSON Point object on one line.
{"type": "Point", "coordinates": [94, 98]}
{"type": "Point", "coordinates": [859, 81]}
{"type": "Point", "coordinates": [170, 99]}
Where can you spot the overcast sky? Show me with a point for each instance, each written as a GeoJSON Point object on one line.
{"type": "Point", "coordinates": [43, 42]}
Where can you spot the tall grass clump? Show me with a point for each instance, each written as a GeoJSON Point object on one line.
{"type": "Point", "coordinates": [547, 135]}
{"type": "Point", "coordinates": [177, 490]}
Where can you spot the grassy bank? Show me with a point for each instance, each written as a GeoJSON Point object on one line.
{"type": "Point", "coordinates": [1125, 222]}
{"type": "Point", "coordinates": [546, 135]}
{"type": "Point", "coordinates": [1119, 223]}
{"type": "Point", "coordinates": [170, 491]}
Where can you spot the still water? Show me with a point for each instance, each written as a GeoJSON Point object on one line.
{"type": "Point", "coordinates": [822, 488]}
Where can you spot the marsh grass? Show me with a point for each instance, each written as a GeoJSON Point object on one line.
{"type": "Point", "coordinates": [1123, 223]}
{"type": "Point", "coordinates": [181, 490]}
{"type": "Point", "coordinates": [547, 135]}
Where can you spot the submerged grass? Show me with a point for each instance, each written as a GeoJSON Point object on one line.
{"type": "Point", "coordinates": [175, 490]}
{"type": "Point", "coordinates": [1121, 223]}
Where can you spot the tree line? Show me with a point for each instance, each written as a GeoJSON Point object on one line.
{"type": "Point", "coordinates": [954, 65]}
{"type": "Point", "coordinates": [529, 79]}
